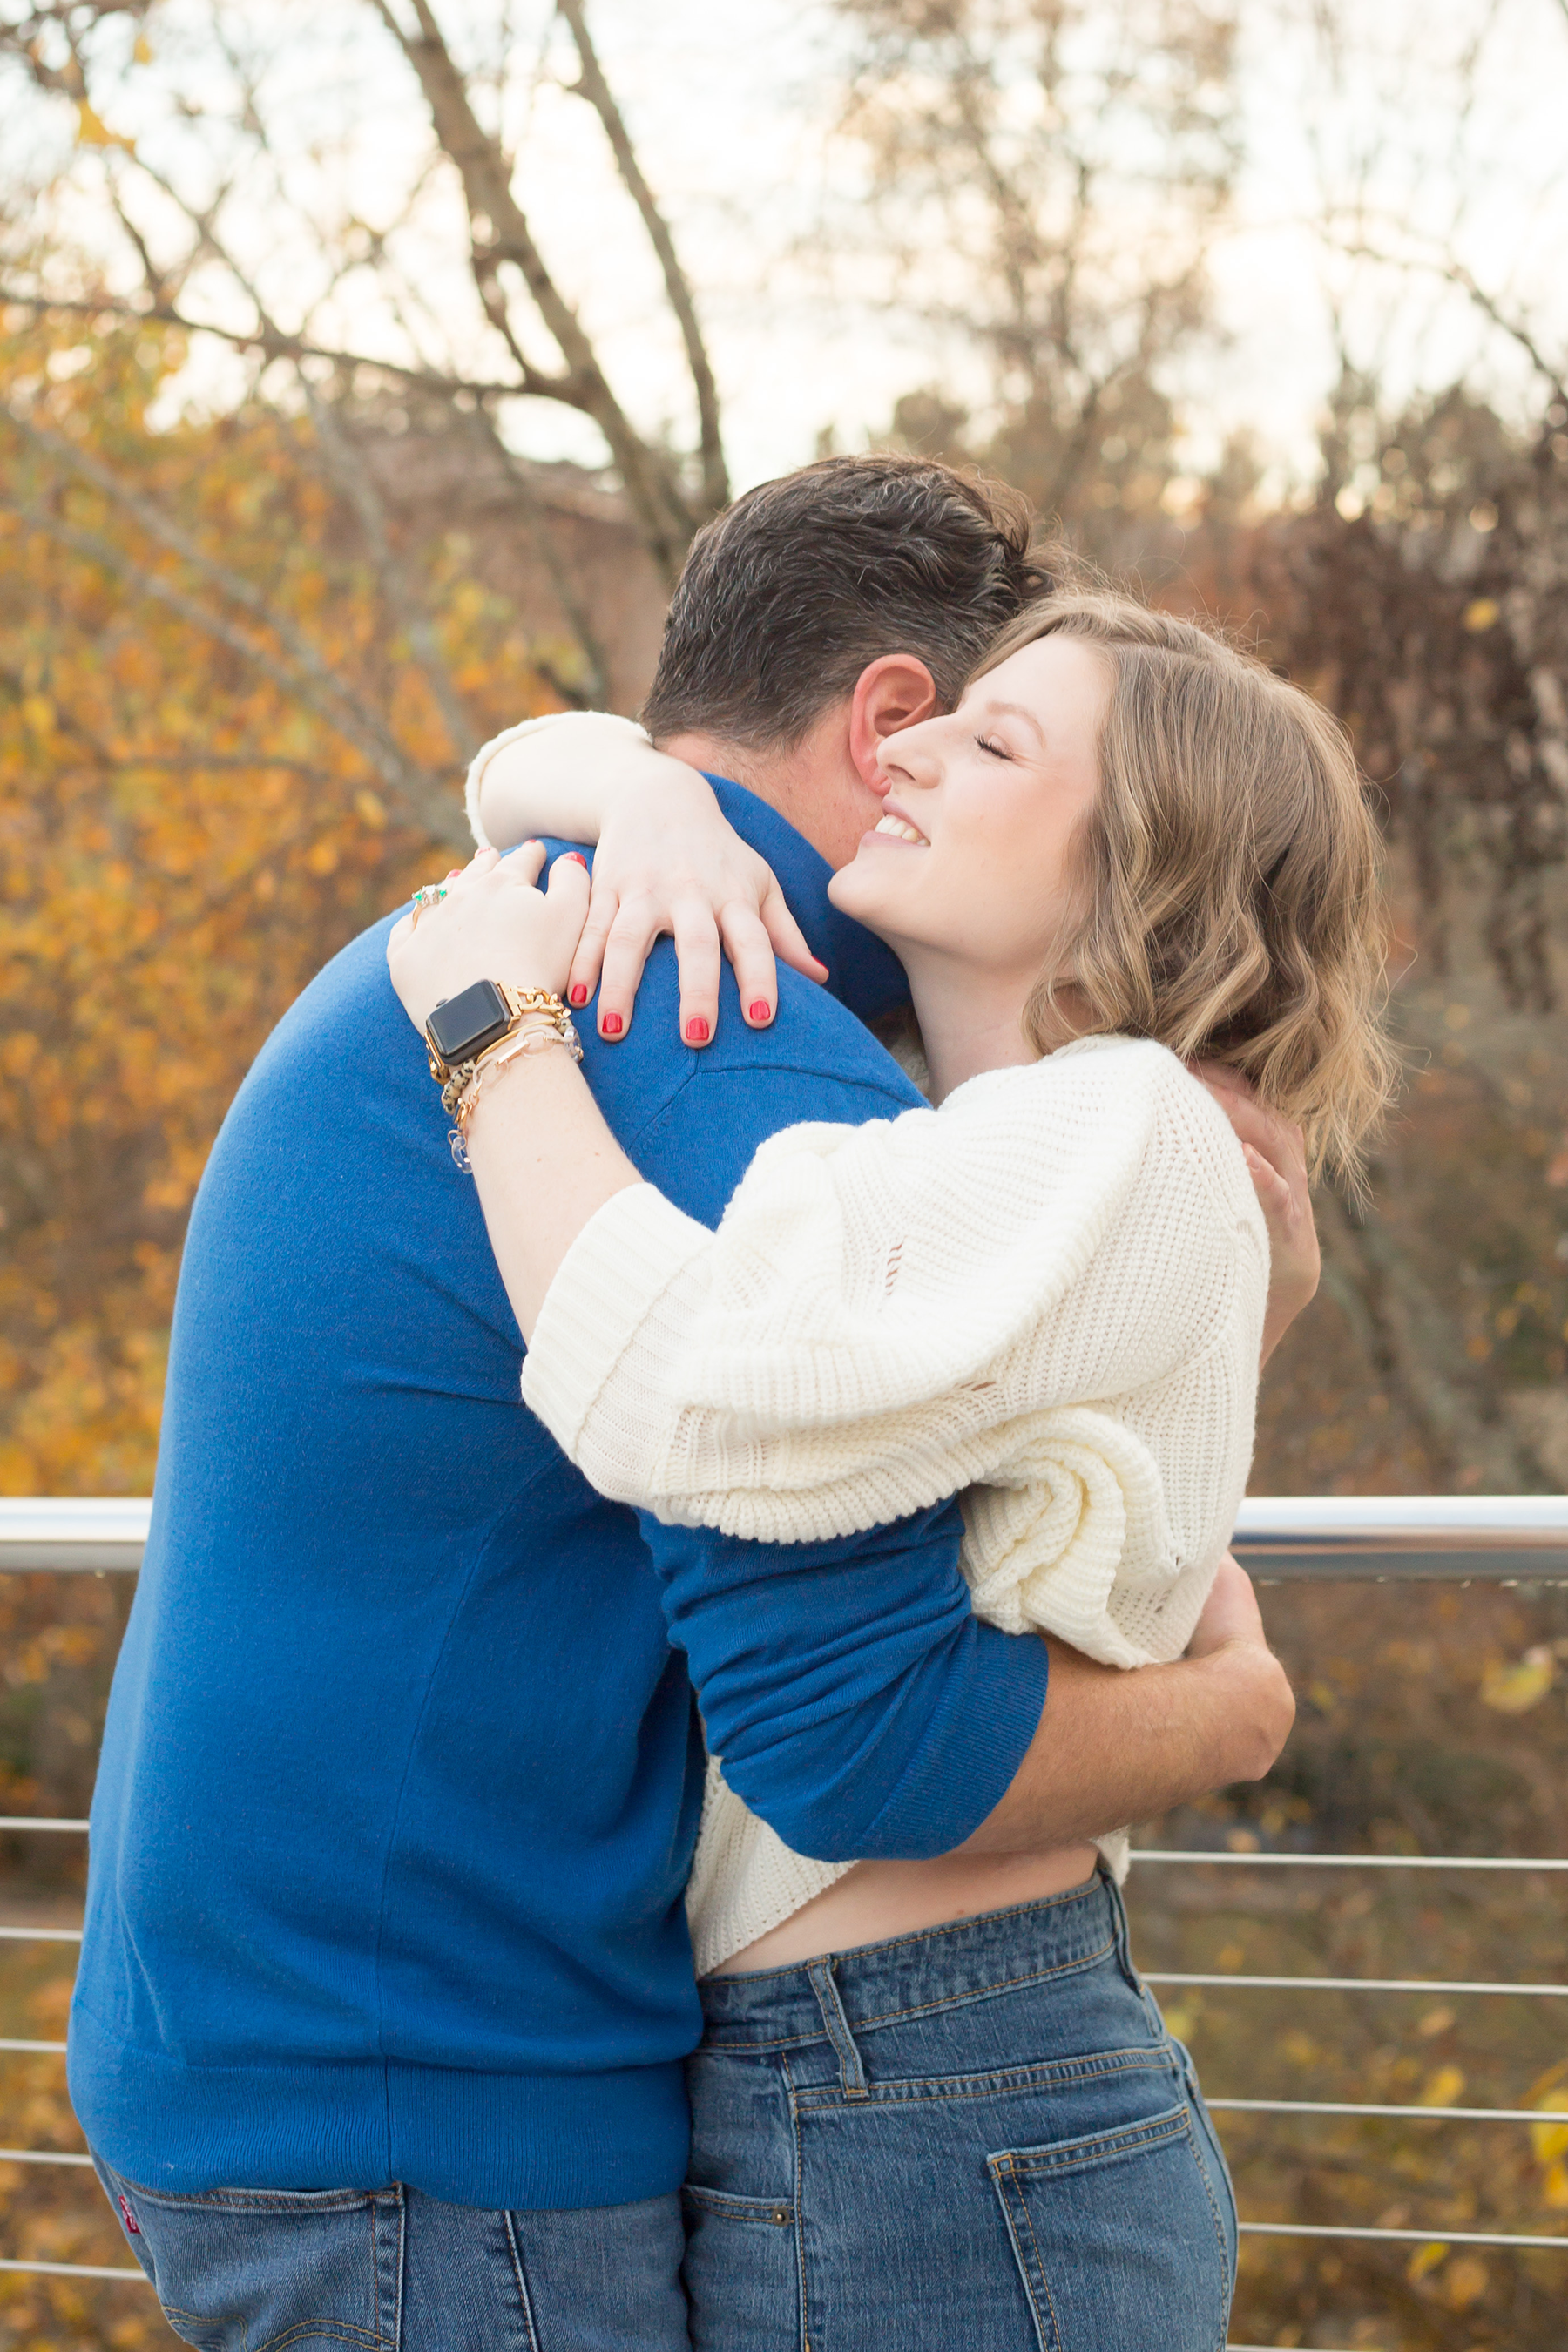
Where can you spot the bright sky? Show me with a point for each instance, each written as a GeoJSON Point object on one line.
{"type": "Point", "coordinates": [728, 106]}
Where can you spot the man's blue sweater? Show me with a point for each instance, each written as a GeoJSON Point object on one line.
{"type": "Point", "coordinates": [402, 1765]}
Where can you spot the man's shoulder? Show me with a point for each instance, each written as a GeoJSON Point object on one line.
{"type": "Point", "coordinates": [814, 1052]}
{"type": "Point", "coordinates": [691, 1120]}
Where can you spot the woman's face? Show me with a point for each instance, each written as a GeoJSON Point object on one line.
{"type": "Point", "coordinates": [971, 857]}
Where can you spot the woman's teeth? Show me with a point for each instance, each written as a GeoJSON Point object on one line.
{"type": "Point", "coordinates": [902, 831]}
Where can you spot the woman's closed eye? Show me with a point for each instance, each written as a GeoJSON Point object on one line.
{"type": "Point", "coordinates": [989, 743]}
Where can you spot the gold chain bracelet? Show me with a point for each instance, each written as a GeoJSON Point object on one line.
{"type": "Point", "coordinates": [540, 1028]}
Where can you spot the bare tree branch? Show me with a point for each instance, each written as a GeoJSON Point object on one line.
{"type": "Point", "coordinates": [1455, 272]}
{"type": "Point", "coordinates": [594, 690]}
{"type": "Point", "coordinates": [651, 488]}
{"type": "Point", "coordinates": [274, 343]}
{"type": "Point", "coordinates": [397, 584]}
{"type": "Point", "coordinates": [596, 90]}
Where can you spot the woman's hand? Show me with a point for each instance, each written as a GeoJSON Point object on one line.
{"type": "Point", "coordinates": [668, 861]}
{"type": "Point", "coordinates": [492, 924]}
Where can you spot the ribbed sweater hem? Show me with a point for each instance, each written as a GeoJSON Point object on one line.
{"type": "Point", "coordinates": [605, 1290]}
{"type": "Point", "coordinates": [545, 2142]}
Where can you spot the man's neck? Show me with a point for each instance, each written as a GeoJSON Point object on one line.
{"type": "Point", "coordinates": [814, 786]}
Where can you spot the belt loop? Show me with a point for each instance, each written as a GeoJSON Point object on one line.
{"type": "Point", "coordinates": [851, 2074]}
{"type": "Point", "coordinates": [1122, 1932]}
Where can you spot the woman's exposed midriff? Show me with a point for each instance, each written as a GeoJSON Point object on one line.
{"type": "Point", "coordinates": [877, 1900]}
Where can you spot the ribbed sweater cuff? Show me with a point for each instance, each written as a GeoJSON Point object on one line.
{"type": "Point", "coordinates": [606, 1286]}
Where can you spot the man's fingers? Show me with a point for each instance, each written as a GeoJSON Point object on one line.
{"type": "Point", "coordinates": [1279, 1140]}
{"type": "Point", "coordinates": [788, 938]}
{"type": "Point", "coordinates": [1275, 1196]}
{"type": "Point", "coordinates": [697, 953]}
{"type": "Point", "coordinates": [627, 950]}
{"type": "Point", "coordinates": [750, 950]}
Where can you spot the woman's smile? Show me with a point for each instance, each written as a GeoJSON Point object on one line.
{"type": "Point", "coordinates": [992, 796]}
{"type": "Point", "coordinates": [895, 826]}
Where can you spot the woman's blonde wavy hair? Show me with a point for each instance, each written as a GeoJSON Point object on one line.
{"type": "Point", "coordinates": [1230, 902]}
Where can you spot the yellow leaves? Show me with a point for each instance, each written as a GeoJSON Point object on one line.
{"type": "Point", "coordinates": [1436, 2021]}
{"type": "Point", "coordinates": [1467, 2281]}
{"type": "Point", "coordinates": [1515, 1690]}
{"type": "Point", "coordinates": [1444, 2087]}
{"type": "Point", "coordinates": [92, 130]}
{"type": "Point", "coordinates": [1550, 2093]}
{"type": "Point", "coordinates": [1481, 615]}
{"type": "Point", "coordinates": [1463, 2284]}
{"type": "Point", "coordinates": [1231, 1956]}
{"type": "Point", "coordinates": [183, 843]}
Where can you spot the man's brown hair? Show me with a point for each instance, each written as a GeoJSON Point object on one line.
{"type": "Point", "coordinates": [793, 590]}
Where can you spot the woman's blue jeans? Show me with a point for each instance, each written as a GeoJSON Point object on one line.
{"type": "Point", "coordinates": [979, 2136]}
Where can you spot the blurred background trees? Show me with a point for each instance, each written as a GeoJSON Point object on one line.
{"type": "Point", "coordinates": [364, 372]}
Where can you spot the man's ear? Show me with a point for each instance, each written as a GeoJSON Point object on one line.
{"type": "Point", "coordinates": [893, 692]}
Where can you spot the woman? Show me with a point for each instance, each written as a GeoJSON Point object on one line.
{"type": "Point", "coordinates": [1129, 844]}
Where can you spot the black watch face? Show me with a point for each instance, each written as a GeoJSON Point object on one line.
{"type": "Point", "coordinates": [464, 1025]}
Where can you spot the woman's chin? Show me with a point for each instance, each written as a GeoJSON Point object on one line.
{"type": "Point", "coordinates": [854, 892]}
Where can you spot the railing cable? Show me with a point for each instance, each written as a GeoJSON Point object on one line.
{"type": "Point", "coordinates": [1357, 1984]}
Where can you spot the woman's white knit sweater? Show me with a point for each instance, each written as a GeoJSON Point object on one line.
{"type": "Point", "coordinates": [1049, 1294]}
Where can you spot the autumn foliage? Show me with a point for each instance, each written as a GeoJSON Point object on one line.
{"type": "Point", "coordinates": [183, 841]}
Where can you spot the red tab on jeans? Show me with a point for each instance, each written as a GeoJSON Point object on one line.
{"type": "Point", "coordinates": [132, 2223]}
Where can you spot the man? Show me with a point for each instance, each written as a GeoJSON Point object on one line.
{"type": "Point", "coordinates": [386, 1988]}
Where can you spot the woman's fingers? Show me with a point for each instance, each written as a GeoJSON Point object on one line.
{"type": "Point", "coordinates": [603, 906]}
{"type": "Point", "coordinates": [787, 938]}
{"type": "Point", "coordinates": [524, 867]}
{"type": "Point", "coordinates": [697, 956]}
{"type": "Point", "coordinates": [750, 948]}
{"type": "Point", "coordinates": [628, 946]}
{"type": "Point", "coordinates": [566, 900]}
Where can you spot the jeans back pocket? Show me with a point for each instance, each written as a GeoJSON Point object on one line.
{"type": "Point", "coordinates": [740, 2273]}
{"type": "Point", "coordinates": [1119, 2239]}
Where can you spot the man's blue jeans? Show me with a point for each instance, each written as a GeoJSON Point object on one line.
{"type": "Point", "coordinates": [980, 2138]}
{"type": "Point", "coordinates": [389, 2270]}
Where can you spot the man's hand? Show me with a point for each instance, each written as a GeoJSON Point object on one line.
{"type": "Point", "coordinates": [1276, 1157]}
{"type": "Point", "coordinates": [1114, 1746]}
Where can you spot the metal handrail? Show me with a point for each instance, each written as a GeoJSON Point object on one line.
{"type": "Point", "coordinates": [1502, 1538]}
{"type": "Point", "coordinates": [1508, 1539]}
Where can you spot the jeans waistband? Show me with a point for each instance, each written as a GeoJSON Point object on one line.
{"type": "Point", "coordinates": [876, 1983]}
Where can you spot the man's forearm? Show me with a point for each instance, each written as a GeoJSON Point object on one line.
{"type": "Point", "coordinates": [1114, 1747]}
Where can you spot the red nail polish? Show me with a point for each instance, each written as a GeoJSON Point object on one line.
{"type": "Point", "coordinates": [575, 858]}
{"type": "Point", "coordinates": [579, 995]}
{"type": "Point", "coordinates": [760, 1011]}
{"type": "Point", "coordinates": [697, 1030]}
{"type": "Point", "coordinates": [610, 1024]}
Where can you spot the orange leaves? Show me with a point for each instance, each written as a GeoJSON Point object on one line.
{"type": "Point", "coordinates": [184, 839]}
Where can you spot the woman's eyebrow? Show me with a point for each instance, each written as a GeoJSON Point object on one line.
{"type": "Point", "coordinates": [1016, 711]}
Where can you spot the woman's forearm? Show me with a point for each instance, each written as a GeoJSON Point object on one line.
{"type": "Point", "coordinates": [565, 776]}
{"type": "Point", "coordinates": [545, 1160]}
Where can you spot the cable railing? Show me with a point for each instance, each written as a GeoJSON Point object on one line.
{"type": "Point", "coordinates": [1518, 1540]}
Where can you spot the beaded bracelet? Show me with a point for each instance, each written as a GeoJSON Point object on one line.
{"type": "Point", "coordinates": [533, 1035]}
